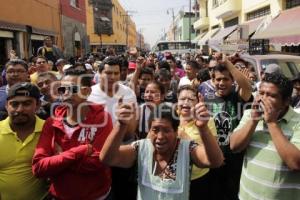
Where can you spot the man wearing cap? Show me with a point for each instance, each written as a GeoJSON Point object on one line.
{"type": "Point", "coordinates": [19, 134]}
{"type": "Point", "coordinates": [16, 72]}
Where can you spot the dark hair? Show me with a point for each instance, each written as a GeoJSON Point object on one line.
{"type": "Point", "coordinates": [164, 111]}
{"type": "Point", "coordinates": [159, 85]}
{"type": "Point", "coordinates": [203, 75]}
{"type": "Point", "coordinates": [164, 65]}
{"type": "Point", "coordinates": [39, 56]}
{"type": "Point", "coordinates": [221, 68]}
{"type": "Point", "coordinates": [111, 60]}
{"type": "Point", "coordinates": [284, 85]}
{"type": "Point", "coordinates": [170, 57]}
{"type": "Point", "coordinates": [187, 87]}
{"type": "Point", "coordinates": [47, 74]}
{"type": "Point", "coordinates": [146, 70]}
{"type": "Point", "coordinates": [151, 65]}
{"type": "Point", "coordinates": [123, 62]}
{"type": "Point", "coordinates": [163, 73]}
{"type": "Point", "coordinates": [14, 62]}
{"type": "Point", "coordinates": [85, 78]}
{"type": "Point", "coordinates": [194, 64]}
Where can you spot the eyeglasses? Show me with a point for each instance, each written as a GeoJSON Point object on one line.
{"type": "Point", "coordinates": [41, 62]}
{"type": "Point", "coordinates": [73, 89]}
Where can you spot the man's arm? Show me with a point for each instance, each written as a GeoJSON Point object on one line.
{"type": "Point", "coordinates": [46, 161]}
{"type": "Point", "coordinates": [112, 153]}
{"type": "Point", "coordinates": [288, 152]}
{"type": "Point", "coordinates": [244, 84]}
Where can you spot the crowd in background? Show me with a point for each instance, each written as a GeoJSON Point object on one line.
{"type": "Point", "coordinates": [147, 126]}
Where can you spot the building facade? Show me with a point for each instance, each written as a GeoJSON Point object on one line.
{"type": "Point", "coordinates": [73, 22]}
{"type": "Point", "coordinates": [183, 23]}
{"type": "Point", "coordinates": [25, 31]}
{"type": "Point", "coordinates": [231, 24]}
{"type": "Point", "coordinates": [109, 26]}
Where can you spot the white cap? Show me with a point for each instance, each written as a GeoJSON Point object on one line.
{"type": "Point", "coordinates": [67, 66]}
{"type": "Point", "coordinates": [88, 66]}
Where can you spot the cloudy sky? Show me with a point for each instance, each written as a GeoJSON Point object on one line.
{"type": "Point", "coordinates": [151, 16]}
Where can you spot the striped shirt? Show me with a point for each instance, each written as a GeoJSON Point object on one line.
{"type": "Point", "coordinates": [264, 174]}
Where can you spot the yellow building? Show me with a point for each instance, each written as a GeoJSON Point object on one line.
{"type": "Point", "coordinates": [23, 26]}
{"type": "Point", "coordinates": [224, 21]}
{"type": "Point", "coordinates": [123, 28]}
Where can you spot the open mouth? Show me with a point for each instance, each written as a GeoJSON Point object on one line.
{"type": "Point", "coordinates": [186, 108]}
{"type": "Point", "coordinates": [160, 145]}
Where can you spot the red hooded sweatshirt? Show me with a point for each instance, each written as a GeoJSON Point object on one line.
{"type": "Point", "coordinates": [72, 173]}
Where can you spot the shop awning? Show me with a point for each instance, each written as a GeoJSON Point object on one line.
{"type": "Point", "coordinates": [196, 39]}
{"type": "Point", "coordinates": [284, 25]}
{"type": "Point", "coordinates": [253, 25]}
{"type": "Point", "coordinates": [287, 40]}
{"type": "Point", "coordinates": [39, 31]}
{"type": "Point", "coordinates": [207, 36]}
{"type": "Point", "coordinates": [218, 38]}
{"type": "Point", "coordinates": [12, 26]}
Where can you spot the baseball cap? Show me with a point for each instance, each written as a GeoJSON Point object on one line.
{"type": "Point", "coordinates": [24, 89]}
{"type": "Point", "coordinates": [131, 65]}
{"type": "Point", "coordinates": [273, 68]}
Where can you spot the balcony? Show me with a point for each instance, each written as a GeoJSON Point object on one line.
{"type": "Point", "coordinates": [226, 8]}
{"type": "Point", "coordinates": [201, 23]}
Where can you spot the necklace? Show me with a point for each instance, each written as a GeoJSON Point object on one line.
{"type": "Point", "coordinates": [165, 172]}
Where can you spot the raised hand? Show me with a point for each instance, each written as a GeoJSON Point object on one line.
{"type": "Point", "coordinates": [201, 113]}
{"type": "Point", "coordinates": [125, 112]}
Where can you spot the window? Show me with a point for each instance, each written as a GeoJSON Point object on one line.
{"type": "Point", "coordinates": [215, 3]}
{"type": "Point", "coordinates": [74, 3]}
{"type": "Point", "coordinates": [258, 13]}
{"type": "Point", "coordinates": [231, 22]}
{"type": "Point", "coordinates": [292, 3]}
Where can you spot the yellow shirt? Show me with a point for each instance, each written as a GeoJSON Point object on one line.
{"type": "Point", "coordinates": [192, 132]}
{"type": "Point", "coordinates": [16, 179]}
{"type": "Point", "coordinates": [34, 76]}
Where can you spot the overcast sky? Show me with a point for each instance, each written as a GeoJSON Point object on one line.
{"type": "Point", "coordinates": [151, 16]}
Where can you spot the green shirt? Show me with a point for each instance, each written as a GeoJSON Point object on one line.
{"type": "Point", "coordinates": [265, 175]}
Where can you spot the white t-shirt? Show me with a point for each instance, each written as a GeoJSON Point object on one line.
{"type": "Point", "coordinates": [184, 81]}
{"type": "Point", "coordinates": [111, 103]}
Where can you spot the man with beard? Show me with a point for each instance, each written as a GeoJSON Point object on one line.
{"type": "Point", "coordinates": [70, 143]}
{"type": "Point", "coordinates": [19, 134]}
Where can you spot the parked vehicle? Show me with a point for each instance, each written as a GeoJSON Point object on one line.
{"type": "Point", "coordinates": [290, 65]}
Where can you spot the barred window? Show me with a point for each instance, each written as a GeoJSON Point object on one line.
{"type": "Point", "coordinates": [292, 3]}
{"type": "Point", "coordinates": [259, 13]}
{"type": "Point", "coordinates": [231, 22]}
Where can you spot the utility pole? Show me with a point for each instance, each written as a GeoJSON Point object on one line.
{"type": "Point", "coordinates": [190, 22]}
{"type": "Point", "coordinates": [127, 23]}
{"type": "Point", "coordinates": [173, 22]}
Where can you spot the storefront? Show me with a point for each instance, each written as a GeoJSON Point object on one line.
{"type": "Point", "coordinates": [283, 32]}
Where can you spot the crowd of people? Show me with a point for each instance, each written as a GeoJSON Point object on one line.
{"type": "Point", "coordinates": [147, 127]}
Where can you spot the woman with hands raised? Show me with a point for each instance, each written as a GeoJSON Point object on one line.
{"type": "Point", "coordinates": [164, 160]}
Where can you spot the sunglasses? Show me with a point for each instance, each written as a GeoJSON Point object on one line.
{"type": "Point", "coordinates": [73, 89]}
